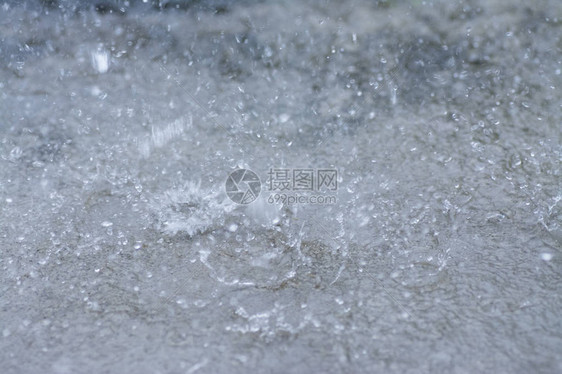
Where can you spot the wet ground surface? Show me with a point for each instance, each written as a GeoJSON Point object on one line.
{"type": "Point", "coordinates": [121, 252]}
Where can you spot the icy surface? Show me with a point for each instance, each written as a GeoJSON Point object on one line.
{"type": "Point", "coordinates": [120, 252]}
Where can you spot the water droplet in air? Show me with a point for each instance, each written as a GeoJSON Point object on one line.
{"type": "Point", "coordinates": [546, 256]}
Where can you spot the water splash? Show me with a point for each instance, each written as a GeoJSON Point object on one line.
{"type": "Point", "coordinates": [189, 209]}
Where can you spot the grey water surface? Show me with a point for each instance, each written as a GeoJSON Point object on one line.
{"type": "Point", "coordinates": [120, 251]}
